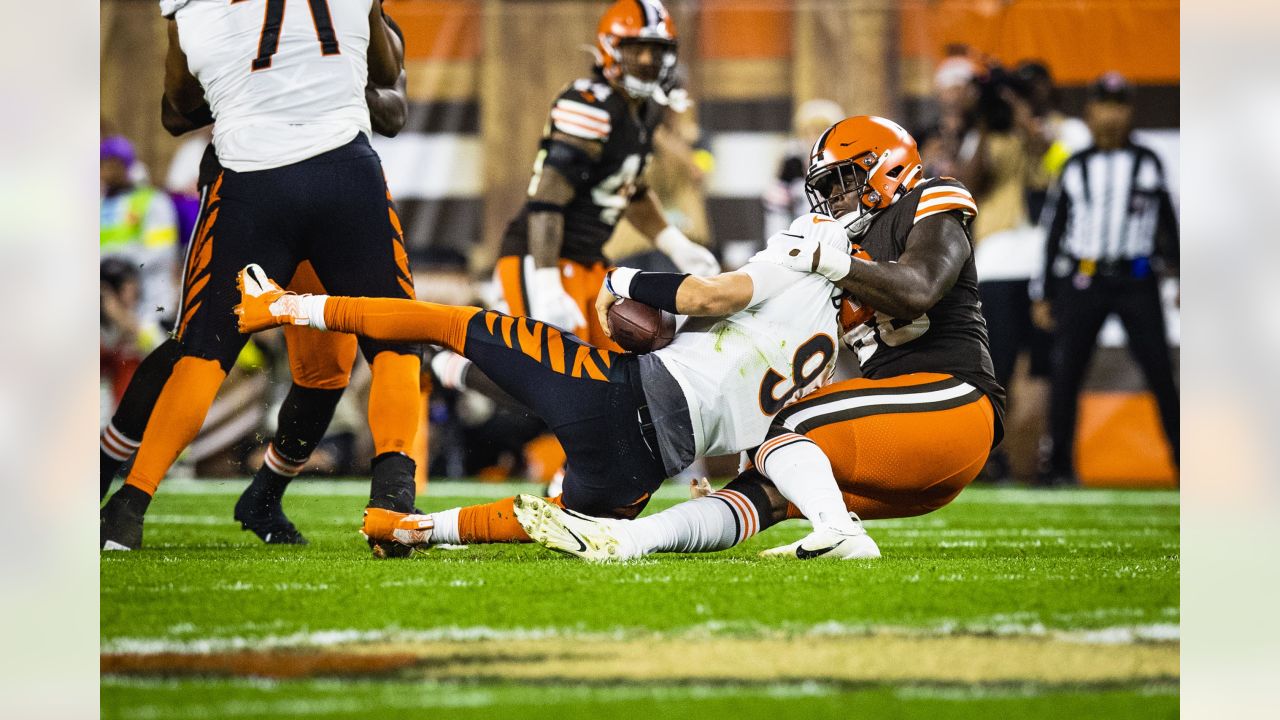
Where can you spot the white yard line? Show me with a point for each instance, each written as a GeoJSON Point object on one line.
{"type": "Point", "coordinates": [673, 490]}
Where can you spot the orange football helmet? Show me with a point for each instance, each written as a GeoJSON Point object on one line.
{"type": "Point", "coordinates": [870, 157]}
{"type": "Point", "coordinates": [636, 47]}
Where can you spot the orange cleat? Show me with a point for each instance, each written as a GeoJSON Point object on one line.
{"type": "Point", "coordinates": [382, 527]}
{"type": "Point", "coordinates": [264, 304]}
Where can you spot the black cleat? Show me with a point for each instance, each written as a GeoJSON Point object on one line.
{"type": "Point", "coordinates": [258, 512]}
{"type": "Point", "coordinates": [392, 489]}
{"type": "Point", "coordinates": [120, 520]}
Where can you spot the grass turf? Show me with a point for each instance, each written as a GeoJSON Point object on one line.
{"type": "Point", "coordinates": [995, 562]}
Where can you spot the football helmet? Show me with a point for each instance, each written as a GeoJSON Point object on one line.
{"type": "Point", "coordinates": [636, 48]}
{"type": "Point", "coordinates": [870, 159]}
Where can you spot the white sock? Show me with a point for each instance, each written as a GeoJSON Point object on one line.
{"type": "Point", "coordinates": [446, 527]}
{"type": "Point", "coordinates": [716, 522]}
{"type": "Point", "coordinates": [451, 368]}
{"type": "Point", "coordinates": [802, 473]}
{"type": "Point", "coordinates": [313, 308]}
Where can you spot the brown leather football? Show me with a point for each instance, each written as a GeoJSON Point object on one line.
{"type": "Point", "coordinates": [640, 328]}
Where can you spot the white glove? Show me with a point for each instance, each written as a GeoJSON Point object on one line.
{"type": "Point", "coordinates": [689, 256]}
{"type": "Point", "coordinates": [822, 248]}
{"type": "Point", "coordinates": [549, 302]}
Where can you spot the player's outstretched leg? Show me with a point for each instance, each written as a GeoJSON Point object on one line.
{"type": "Point", "coordinates": [716, 521]}
{"type": "Point", "coordinates": [493, 522]}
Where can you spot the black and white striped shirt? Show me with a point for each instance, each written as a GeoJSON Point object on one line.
{"type": "Point", "coordinates": [1108, 206]}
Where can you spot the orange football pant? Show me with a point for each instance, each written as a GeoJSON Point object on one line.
{"type": "Point", "coordinates": [905, 460]}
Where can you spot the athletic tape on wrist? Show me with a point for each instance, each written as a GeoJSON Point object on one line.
{"type": "Point", "coordinates": [618, 281]}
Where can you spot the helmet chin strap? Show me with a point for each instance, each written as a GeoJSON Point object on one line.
{"type": "Point", "coordinates": [857, 223]}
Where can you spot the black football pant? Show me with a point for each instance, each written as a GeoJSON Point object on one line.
{"type": "Point", "coordinates": [1079, 315]}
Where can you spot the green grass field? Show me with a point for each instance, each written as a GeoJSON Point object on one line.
{"type": "Point", "coordinates": [1008, 603]}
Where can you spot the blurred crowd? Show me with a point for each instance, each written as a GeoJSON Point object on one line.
{"type": "Point", "coordinates": [998, 129]}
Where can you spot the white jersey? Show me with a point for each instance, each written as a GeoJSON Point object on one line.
{"type": "Point", "coordinates": [285, 78]}
{"type": "Point", "coordinates": [737, 372]}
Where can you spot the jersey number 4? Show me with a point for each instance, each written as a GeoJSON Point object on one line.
{"type": "Point", "coordinates": [273, 18]}
{"type": "Point", "coordinates": [803, 372]}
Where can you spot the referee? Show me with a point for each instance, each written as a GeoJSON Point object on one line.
{"type": "Point", "coordinates": [1111, 233]}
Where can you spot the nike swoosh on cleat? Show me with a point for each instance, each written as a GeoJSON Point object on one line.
{"type": "Point", "coordinates": [582, 547]}
{"type": "Point", "coordinates": [805, 554]}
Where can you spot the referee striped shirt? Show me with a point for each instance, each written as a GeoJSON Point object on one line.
{"type": "Point", "coordinates": [1108, 206]}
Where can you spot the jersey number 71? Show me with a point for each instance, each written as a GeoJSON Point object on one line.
{"type": "Point", "coordinates": [273, 18]}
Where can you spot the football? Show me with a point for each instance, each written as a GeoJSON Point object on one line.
{"type": "Point", "coordinates": [640, 328]}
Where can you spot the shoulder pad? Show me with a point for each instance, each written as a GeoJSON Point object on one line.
{"type": "Point", "coordinates": [580, 111]}
{"type": "Point", "coordinates": [939, 195]}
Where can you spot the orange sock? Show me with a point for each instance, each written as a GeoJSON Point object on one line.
{"type": "Point", "coordinates": [400, 320]}
{"type": "Point", "coordinates": [179, 412]}
{"type": "Point", "coordinates": [395, 402]}
{"type": "Point", "coordinates": [493, 522]}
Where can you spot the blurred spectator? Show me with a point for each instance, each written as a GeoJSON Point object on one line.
{"type": "Point", "coordinates": [994, 162]}
{"type": "Point", "coordinates": [127, 333]}
{"type": "Point", "coordinates": [1058, 136]}
{"type": "Point", "coordinates": [785, 200]}
{"type": "Point", "coordinates": [138, 225]}
{"type": "Point", "coordinates": [955, 100]}
{"type": "Point", "coordinates": [1111, 229]}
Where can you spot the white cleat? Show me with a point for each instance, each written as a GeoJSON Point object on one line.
{"type": "Point", "coordinates": [828, 542]}
{"type": "Point", "coordinates": [592, 539]}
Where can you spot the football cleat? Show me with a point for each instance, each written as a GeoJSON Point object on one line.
{"type": "Point", "coordinates": [120, 520]}
{"type": "Point", "coordinates": [828, 542]}
{"type": "Point", "coordinates": [592, 539]}
{"type": "Point", "coordinates": [395, 534]}
{"type": "Point", "coordinates": [264, 304]}
{"type": "Point", "coordinates": [266, 519]}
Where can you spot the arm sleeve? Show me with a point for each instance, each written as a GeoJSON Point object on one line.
{"type": "Point", "coordinates": [768, 280]}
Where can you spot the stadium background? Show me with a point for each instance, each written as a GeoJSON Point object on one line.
{"type": "Point", "coordinates": [481, 74]}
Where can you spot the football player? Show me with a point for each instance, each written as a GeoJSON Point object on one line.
{"type": "Point", "coordinates": [299, 183]}
{"type": "Point", "coordinates": [320, 363]}
{"type": "Point", "coordinates": [588, 175]}
{"type": "Point", "coordinates": [756, 338]}
{"type": "Point", "coordinates": [902, 440]}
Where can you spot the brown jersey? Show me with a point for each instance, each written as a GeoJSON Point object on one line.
{"type": "Point", "coordinates": [951, 337]}
{"type": "Point", "coordinates": [591, 110]}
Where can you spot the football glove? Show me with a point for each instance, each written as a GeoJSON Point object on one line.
{"type": "Point", "coordinates": [688, 256]}
{"type": "Point", "coordinates": [549, 302]}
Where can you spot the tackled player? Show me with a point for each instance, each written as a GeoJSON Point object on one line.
{"type": "Point", "coordinates": [757, 338]}
{"type": "Point", "coordinates": [904, 439]}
